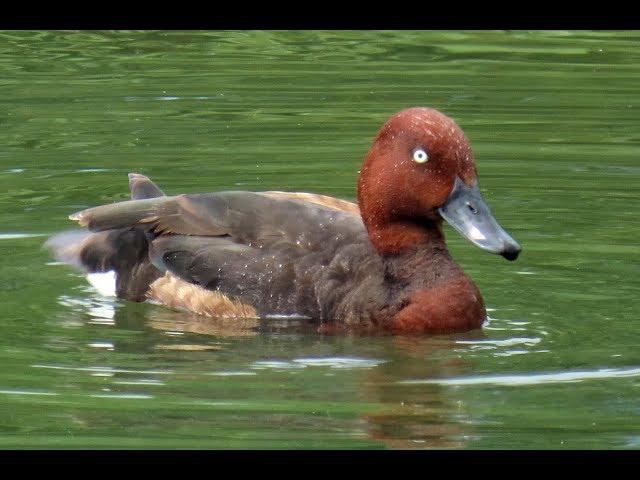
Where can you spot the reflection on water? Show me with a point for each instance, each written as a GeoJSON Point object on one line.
{"type": "Point", "coordinates": [179, 322]}
{"type": "Point", "coordinates": [25, 392]}
{"type": "Point", "coordinates": [532, 378]}
{"type": "Point", "coordinates": [414, 419]}
{"type": "Point", "coordinates": [406, 396]}
{"type": "Point", "coordinates": [419, 418]}
{"type": "Point", "coordinates": [13, 236]}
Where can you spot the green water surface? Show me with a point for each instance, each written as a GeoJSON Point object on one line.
{"type": "Point", "coordinates": [553, 119]}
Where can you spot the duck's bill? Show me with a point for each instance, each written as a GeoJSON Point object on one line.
{"type": "Point", "coordinates": [468, 213]}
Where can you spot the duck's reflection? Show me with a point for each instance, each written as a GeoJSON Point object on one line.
{"type": "Point", "coordinates": [424, 416]}
{"type": "Point", "coordinates": [418, 416]}
{"type": "Point", "coordinates": [405, 416]}
{"type": "Point", "coordinates": [171, 321]}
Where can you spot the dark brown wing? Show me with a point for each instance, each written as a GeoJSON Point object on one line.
{"type": "Point", "coordinates": [275, 251]}
{"type": "Point", "coordinates": [255, 219]}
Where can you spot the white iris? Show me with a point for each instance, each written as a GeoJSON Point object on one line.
{"type": "Point", "coordinates": [420, 156]}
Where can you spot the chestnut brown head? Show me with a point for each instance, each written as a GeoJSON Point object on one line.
{"type": "Point", "coordinates": [420, 170]}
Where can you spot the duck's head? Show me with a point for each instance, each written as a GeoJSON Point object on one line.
{"type": "Point", "coordinates": [421, 170]}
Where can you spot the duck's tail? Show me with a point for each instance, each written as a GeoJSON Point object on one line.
{"type": "Point", "coordinates": [116, 261]}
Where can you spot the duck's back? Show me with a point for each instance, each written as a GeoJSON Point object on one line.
{"type": "Point", "coordinates": [233, 253]}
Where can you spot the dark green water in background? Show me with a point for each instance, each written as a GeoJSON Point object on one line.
{"type": "Point", "coordinates": [553, 118]}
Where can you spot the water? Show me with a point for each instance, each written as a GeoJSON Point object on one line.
{"type": "Point", "coordinates": [553, 118]}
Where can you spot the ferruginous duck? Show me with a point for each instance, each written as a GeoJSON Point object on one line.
{"type": "Point", "coordinates": [381, 264]}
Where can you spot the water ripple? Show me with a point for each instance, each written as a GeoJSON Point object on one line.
{"type": "Point", "coordinates": [104, 369]}
{"type": "Point", "coordinates": [232, 374]}
{"type": "Point", "coordinates": [129, 396]}
{"type": "Point", "coordinates": [534, 379]}
{"type": "Point", "coordinates": [508, 342]}
{"type": "Point", "coordinates": [26, 392]}
{"type": "Point", "coordinates": [331, 362]}
{"type": "Point", "coordinates": [340, 362]}
{"type": "Point", "coordinates": [142, 381]}
{"type": "Point", "coordinates": [11, 236]}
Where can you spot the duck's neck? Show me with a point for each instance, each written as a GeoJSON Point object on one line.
{"type": "Point", "coordinates": [401, 236]}
{"type": "Point", "coordinates": [415, 257]}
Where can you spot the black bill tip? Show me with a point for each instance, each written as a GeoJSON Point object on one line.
{"type": "Point", "coordinates": [511, 253]}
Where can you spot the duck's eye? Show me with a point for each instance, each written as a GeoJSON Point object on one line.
{"type": "Point", "coordinates": [420, 156]}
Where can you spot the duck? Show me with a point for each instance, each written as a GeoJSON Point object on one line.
{"type": "Point", "coordinates": [379, 264]}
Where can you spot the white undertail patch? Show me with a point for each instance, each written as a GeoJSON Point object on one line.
{"type": "Point", "coordinates": [103, 282]}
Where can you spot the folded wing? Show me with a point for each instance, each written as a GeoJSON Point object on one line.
{"type": "Point", "coordinates": [266, 250]}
